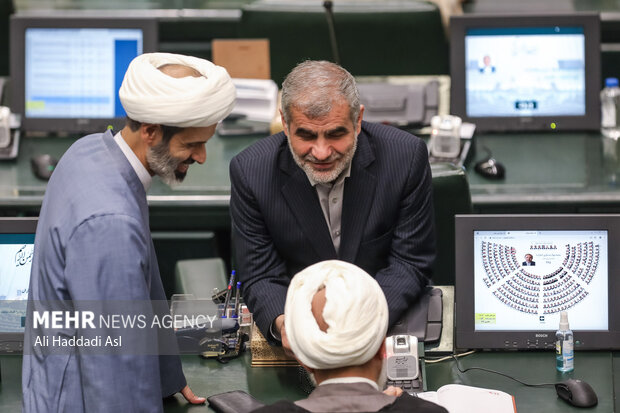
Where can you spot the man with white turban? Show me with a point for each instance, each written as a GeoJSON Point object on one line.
{"type": "Point", "coordinates": [338, 318]}
{"type": "Point", "coordinates": [93, 240]}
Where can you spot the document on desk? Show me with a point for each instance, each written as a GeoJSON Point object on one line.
{"type": "Point", "coordinates": [457, 398]}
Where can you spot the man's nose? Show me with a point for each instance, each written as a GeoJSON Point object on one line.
{"type": "Point", "coordinates": [321, 150]}
{"type": "Point", "coordinates": [200, 154]}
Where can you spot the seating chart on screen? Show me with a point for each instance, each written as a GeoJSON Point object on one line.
{"type": "Point", "coordinates": [524, 279]}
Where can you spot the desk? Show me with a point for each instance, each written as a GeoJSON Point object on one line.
{"type": "Point", "coordinates": [546, 173]}
{"type": "Point", "coordinates": [208, 377]}
{"type": "Point", "coordinates": [556, 172]}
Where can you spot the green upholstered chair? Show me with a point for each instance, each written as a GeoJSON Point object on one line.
{"type": "Point", "coordinates": [6, 9]}
{"type": "Point", "coordinates": [200, 276]}
{"type": "Point", "coordinates": [451, 196]}
{"type": "Point", "coordinates": [374, 38]}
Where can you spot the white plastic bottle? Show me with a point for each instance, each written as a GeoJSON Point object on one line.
{"type": "Point", "coordinates": [610, 109]}
{"type": "Point", "coordinates": [564, 349]}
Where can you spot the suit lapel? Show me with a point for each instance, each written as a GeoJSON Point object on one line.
{"type": "Point", "coordinates": [359, 192]}
{"type": "Point", "coordinates": [303, 201]}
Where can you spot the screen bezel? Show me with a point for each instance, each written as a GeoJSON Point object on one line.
{"type": "Point", "coordinates": [15, 226]}
{"type": "Point", "coordinates": [466, 337]}
{"type": "Point", "coordinates": [591, 26]}
{"type": "Point", "coordinates": [19, 24]}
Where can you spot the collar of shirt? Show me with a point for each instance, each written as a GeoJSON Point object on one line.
{"type": "Point", "coordinates": [350, 380]}
{"type": "Point", "coordinates": [135, 163]}
{"type": "Point", "coordinates": [345, 174]}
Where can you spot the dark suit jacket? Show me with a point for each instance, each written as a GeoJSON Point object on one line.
{"type": "Point", "coordinates": [387, 219]}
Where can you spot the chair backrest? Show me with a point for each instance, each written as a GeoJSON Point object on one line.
{"type": "Point", "coordinates": [6, 9]}
{"type": "Point", "coordinates": [374, 38]}
{"type": "Point", "coordinates": [451, 196]}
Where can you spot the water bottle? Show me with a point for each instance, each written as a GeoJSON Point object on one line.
{"type": "Point", "coordinates": [564, 348]}
{"type": "Point", "coordinates": [610, 109]}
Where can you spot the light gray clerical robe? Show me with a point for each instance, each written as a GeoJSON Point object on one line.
{"type": "Point", "coordinates": [93, 242]}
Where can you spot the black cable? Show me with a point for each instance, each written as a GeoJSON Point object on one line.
{"type": "Point", "coordinates": [329, 10]}
{"type": "Point", "coordinates": [458, 366]}
{"type": "Point", "coordinates": [488, 151]}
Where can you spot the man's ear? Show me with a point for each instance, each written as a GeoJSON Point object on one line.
{"type": "Point", "coordinates": [309, 369]}
{"type": "Point", "coordinates": [150, 133]}
{"type": "Point", "coordinates": [381, 352]}
{"type": "Point", "coordinates": [358, 126]}
{"type": "Point", "coordinates": [284, 125]}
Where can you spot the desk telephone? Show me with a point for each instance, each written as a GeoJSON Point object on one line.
{"type": "Point", "coordinates": [421, 323]}
{"type": "Point", "coordinates": [5, 128]}
{"type": "Point", "coordinates": [402, 363]}
{"type": "Point", "coordinates": [9, 133]}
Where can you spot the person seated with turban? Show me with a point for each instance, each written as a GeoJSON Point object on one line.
{"type": "Point", "coordinates": [336, 319]}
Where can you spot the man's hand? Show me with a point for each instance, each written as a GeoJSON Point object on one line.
{"type": "Point", "coordinates": [279, 325]}
{"type": "Point", "coordinates": [191, 397]}
{"type": "Point", "coordinates": [393, 391]}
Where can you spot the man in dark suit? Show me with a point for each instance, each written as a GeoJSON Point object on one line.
{"type": "Point", "coordinates": [330, 187]}
{"type": "Point", "coordinates": [528, 261]}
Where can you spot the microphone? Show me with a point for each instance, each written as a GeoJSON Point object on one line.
{"type": "Point", "coordinates": [329, 6]}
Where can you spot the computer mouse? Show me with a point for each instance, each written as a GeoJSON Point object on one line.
{"type": "Point", "coordinates": [43, 166]}
{"type": "Point", "coordinates": [576, 392]}
{"type": "Point", "coordinates": [490, 168]}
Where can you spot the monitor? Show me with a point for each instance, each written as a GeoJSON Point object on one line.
{"type": "Point", "coordinates": [16, 253]}
{"type": "Point", "coordinates": [515, 274]}
{"type": "Point", "coordinates": [66, 71]}
{"type": "Point", "coordinates": [526, 72]}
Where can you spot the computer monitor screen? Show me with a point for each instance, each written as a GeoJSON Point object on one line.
{"type": "Point", "coordinates": [66, 72]}
{"type": "Point", "coordinates": [16, 253]}
{"type": "Point", "coordinates": [515, 274]}
{"type": "Point", "coordinates": [526, 72]}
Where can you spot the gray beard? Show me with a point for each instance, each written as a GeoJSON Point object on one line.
{"type": "Point", "coordinates": [163, 164]}
{"type": "Point", "coordinates": [325, 177]}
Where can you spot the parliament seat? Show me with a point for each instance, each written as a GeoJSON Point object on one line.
{"type": "Point", "coordinates": [6, 9]}
{"type": "Point", "coordinates": [451, 196]}
{"type": "Point", "coordinates": [200, 276]}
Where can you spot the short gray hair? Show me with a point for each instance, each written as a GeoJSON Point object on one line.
{"type": "Point", "coordinates": [312, 87]}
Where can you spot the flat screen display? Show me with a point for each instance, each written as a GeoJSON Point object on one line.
{"type": "Point", "coordinates": [76, 72]}
{"type": "Point", "coordinates": [16, 254]}
{"type": "Point", "coordinates": [515, 274]}
{"type": "Point", "coordinates": [526, 72]}
{"type": "Point", "coordinates": [66, 71]}
{"type": "Point", "coordinates": [524, 279]}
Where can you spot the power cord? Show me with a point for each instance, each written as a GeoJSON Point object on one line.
{"type": "Point", "coordinates": [439, 360]}
{"type": "Point", "coordinates": [458, 366]}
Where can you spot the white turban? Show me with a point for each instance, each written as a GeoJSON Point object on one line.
{"type": "Point", "coordinates": [355, 311]}
{"type": "Point", "coordinates": [151, 96]}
